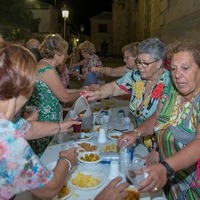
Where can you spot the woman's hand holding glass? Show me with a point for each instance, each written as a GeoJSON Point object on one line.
{"type": "Point", "coordinates": [66, 126]}
{"type": "Point", "coordinates": [155, 180]}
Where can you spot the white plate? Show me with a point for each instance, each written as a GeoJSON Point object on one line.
{"type": "Point", "coordinates": [89, 163]}
{"type": "Point", "coordinates": [111, 135]}
{"type": "Point", "coordinates": [88, 143]}
{"type": "Point", "coordinates": [85, 136]}
{"type": "Point", "coordinates": [97, 175]}
{"type": "Point", "coordinates": [68, 195]}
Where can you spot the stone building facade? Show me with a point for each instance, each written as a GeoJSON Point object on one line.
{"type": "Point", "coordinates": [136, 20]}
{"type": "Point", "coordinates": [101, 32]}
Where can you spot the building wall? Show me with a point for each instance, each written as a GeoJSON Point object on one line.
{"type": "Point", "coordinates": [49, 19]}
{"type": "Point", "coordinates": [136, 20]}
{"type": "Point", "coordinates": [121, 25]}
{"type": "Point", "coordinates": [181, 20]}
{"type": "Point", "coordinates": [98, 38]}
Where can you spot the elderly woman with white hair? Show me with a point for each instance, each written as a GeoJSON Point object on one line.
{"type": "Point", "coordinates": [145, 84]}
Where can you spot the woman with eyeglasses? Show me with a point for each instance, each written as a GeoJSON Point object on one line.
{"type": "Point", "coordinates": [49, 92]}
{"type": "Point", "coordinates": [145, 84]}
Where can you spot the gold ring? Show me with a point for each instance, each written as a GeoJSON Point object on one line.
{"type": "Point", "coordinates": [155, 189]}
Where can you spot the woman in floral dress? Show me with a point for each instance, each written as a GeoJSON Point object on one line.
{"type": "Point", "coordinates": [49, 92]}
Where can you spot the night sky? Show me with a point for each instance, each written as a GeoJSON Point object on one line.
{"type": "Point", "coordinates": [82, 10]}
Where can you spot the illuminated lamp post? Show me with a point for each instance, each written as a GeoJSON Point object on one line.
{"type": "Point", "coordinates": [65, 15]}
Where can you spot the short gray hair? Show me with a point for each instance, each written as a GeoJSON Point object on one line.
{"type": "Point", "coordinates": [153, 46]}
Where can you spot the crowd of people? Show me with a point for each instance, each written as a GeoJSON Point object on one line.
{"type": "Point", "coordinates": [165, 104]}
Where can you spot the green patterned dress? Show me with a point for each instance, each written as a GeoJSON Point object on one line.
{"type": "Point", "coordinates": [175, 131]}
{"type": "Point", "coordinates": [49, 109]}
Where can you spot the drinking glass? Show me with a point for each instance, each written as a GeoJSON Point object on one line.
{"type": "Point", "coordinates": [77, 127]}
{"type": "Point", "coordinates": [135, 173]}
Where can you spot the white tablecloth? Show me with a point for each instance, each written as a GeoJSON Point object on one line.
{"type": "Point", "coordinates": [51, 154]}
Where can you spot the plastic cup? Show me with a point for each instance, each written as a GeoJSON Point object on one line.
{"type": "Point", "coordinates": [135, 172]}
{"type": "Point", "coordinates": [77, 127]}
{"type": "Point", "coordinates": [114, 169]}
{"type": "Point", "coordinates": [102, 135]}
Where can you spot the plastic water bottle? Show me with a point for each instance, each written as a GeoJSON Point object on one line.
{"type": "Point", "coordinates": [121, 115]}
{"type": "Point", "coordinates": [125, 156]}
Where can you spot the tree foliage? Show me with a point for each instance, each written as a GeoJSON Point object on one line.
{"type": "Point", "coordinates": [15, 19]}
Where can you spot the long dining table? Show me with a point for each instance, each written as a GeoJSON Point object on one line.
{"type": "Point", "coordinates": [52, 152]}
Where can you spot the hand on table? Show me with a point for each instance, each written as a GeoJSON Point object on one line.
{"type": "Point", "coordinates": [113, 191]}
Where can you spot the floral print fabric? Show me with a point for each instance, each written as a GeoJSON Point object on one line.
{"type": "Point", "coordinates": [20, 168]}
{"type": "Point", "coordinates": [142, 108]}
{"type": "Point", "coordinates": [95, 61]}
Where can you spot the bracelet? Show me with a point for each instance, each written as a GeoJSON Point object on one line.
{"type": "Point", "coordinates": [67, 160]}
{"type": "Point", "coordinates": [59, 128]}
{"type": "Point", "coordinates": [138, 134]}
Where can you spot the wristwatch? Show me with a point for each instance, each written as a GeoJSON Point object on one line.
{"type": "Point", "coordinates": [170, 171]}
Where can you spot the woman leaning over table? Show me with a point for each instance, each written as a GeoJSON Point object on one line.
{"type": "Point", "coordinates": [177, 127]}
{"type": "Point", "coordinates": [130, 54]}
{"type": "Point", "coordinates": [49, 92]}
{"type": "Point", "coordinates": [145, 84]}
{"type": "Point", "coordinates": [20, 168]}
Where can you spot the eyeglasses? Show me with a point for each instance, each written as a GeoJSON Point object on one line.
{"type": "Point", "coordinates": [144, 64]}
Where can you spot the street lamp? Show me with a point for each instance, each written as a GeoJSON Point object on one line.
{"type": "Point", "coordinates": [82, 28]}
{"type": "Point", "coordinates": [65, 14]}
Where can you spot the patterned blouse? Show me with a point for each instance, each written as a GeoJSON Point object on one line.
{"type": "Point", "coordinates": [20, 168]}
{"type": "Point", "coordinates": [95, 61]}
{"type": "Point", "coordinates": [143, 107]}
{"type": "Point", "coordinates": [176, 127]}
{"type": "Point", "coordinates": [49, 109]}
